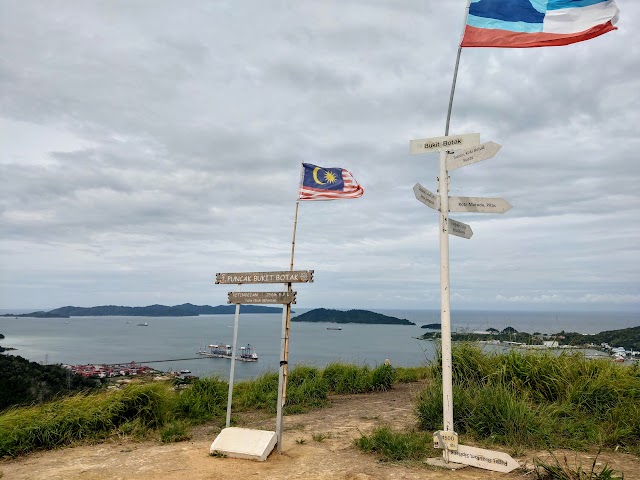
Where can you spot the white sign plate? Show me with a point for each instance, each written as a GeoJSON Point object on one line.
{"type": "Point", "coordinates": [450, 142]}
{"type": "Point", "coordinates": [478, 204]}
{"type": "Point", "coordinates": [481, 458]}
{"type": "Point", "coordinates": [448, 440]}
{"type": "Point", "coordinates": [462, 158]}
{"type": "Point", "coordinates": [459, 229]}
{"type": "Point", "coordinates": [430, 199]}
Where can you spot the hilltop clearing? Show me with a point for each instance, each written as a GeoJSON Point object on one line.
{"type": "Point", "coordinates": [316, 445]}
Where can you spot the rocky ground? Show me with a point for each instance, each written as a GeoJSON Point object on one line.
{"type": "Point", "coordinates": [316, 445]}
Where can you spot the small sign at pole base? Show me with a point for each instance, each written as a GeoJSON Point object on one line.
{"type": "Point", "coordinates": [448, 440]}
{"type": "Point", "coordinates": [482, 458]}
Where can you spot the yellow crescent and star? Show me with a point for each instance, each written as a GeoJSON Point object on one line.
{"type": "Point", "coordinates": [329, 177]}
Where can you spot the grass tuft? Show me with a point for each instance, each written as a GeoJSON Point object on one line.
{"type": "Point", "coordinates": [392, 446]}
{"type": "Point", "coordinates": [177, 431]}
{"type": "Point", "coordinates": [555, 469]}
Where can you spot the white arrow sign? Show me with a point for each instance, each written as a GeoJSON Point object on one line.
{"type": "Point", "coordinates": [478, 204]}
{"type": "Point", "coordinates": [481, 458]}
{"type": "Point", "coordinates": [430, 199]}
{"type": "Point", "coordinates": [462, 158]}
{"type": "Point", "coordinates": [459, 229]}
{"type": "Point", "coordinates": [450, 142]}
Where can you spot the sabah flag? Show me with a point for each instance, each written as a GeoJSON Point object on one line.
{"type": "Point", "coordinates": [320, 183]}
{"type": "Point", "coordinates": [537, 23]}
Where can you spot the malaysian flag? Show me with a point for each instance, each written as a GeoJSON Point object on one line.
{"type": "Point", "coordinates": [318, 183]}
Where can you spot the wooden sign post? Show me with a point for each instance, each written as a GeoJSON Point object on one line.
{"type": "Point", "coordinates": [285, 298]}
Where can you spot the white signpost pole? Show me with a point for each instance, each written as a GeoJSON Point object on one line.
{"type": "Point", "coordinates": [445, 313]}
{"type": "Point", "coordinates": [233, 364]}
{"type": "Point", "coordinates": [280, 405]}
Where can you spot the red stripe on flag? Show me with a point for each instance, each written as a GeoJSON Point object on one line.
{"type": "Point", "coordinates": [486, 37]}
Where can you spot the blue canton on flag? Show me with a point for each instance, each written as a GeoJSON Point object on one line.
{"type": "Point", "coordinates": [319, 183]}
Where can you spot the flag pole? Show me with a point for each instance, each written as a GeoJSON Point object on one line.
{"type": "Point", "coordinates": [455, 70]}
{"type": "Point", "coordinates": [445, 297]}
{"type": "Point", "coordinates": [288, 307]}
{"type": "Point", "coordinates": [284, 348]}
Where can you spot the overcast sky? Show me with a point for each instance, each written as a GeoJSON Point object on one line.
{"type": "Point", "coordinates": [146, 146]}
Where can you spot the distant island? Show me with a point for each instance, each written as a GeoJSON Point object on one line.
{"type": "Point", "coordinates": [349, 316]}
{"type": "Point", "coordinates": [432, 326]}
{"type": "Point", "coordinates": [626, 337]}
{"type": "Point", "coordinates": [184, 310]}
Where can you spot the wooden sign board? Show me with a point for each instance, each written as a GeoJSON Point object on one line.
{"type": "Point", "coordinates": [462, 158]}
{"type": "Point", "coordinates": [478, 205]}
{"type": "Point", "coordinates": [427, 197]}
{"type": "Point", "coordinates": [246, 298]}
{"type": "Point", "coordinates": [482, 458]}
{"type": "Point", "coordinates": [298, 276]}
{"type": "Point", "coordinates": [450, 142]}
{"type": "Point", "coordinates": [459, 229]}
{"type": "Point", "coordinates": [448, 440]}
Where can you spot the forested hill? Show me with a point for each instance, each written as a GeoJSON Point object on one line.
{"type": "Point", "coordinates": [349, 316]}
{"type": "Point", "coordinates": [23, 382]}
{"type": "Point", "coordinates": [184, 310]}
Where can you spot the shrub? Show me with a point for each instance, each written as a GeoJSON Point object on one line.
{"type": "Point", "coordinates": [204, 399]}
{"type": "Point", "coordinates": [383, 377]}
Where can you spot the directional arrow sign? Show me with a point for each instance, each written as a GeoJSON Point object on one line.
{"type": "Point", "coordinates": [478, 204]}
{"type": "Point", "coordinates": [430, 199]}
{"type": "Point", "coordinates": [462, 158]}
{"type": "Point", "coordinates": [450, 142]}
{"type": "Point", "coordinates": [460, 229]}
{"type": "Point", "coordinates": [481, 458]}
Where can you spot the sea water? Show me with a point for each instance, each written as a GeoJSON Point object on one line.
{"type": "Point", "coordinates": [82, 340]}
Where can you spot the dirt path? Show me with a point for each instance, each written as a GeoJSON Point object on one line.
{"type": "Point", "coordinates": [334, 457]}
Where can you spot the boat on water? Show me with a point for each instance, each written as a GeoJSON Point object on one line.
{"type": "Point", "coordinates": [334, 328]}
{"type": "Point", "coordinates": [217, 350]}
{"type": "Point", "coordinates": [221, 350]}
{"type": "Point", "coordinates": [142, 324]}
{"type": "Point", "coordinates": [248, 354]}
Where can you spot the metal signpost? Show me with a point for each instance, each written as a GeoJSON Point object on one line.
{"type": "Point", "coordinates": [456, 151]}
{"type": "Point", "coordinates": [285, 298]}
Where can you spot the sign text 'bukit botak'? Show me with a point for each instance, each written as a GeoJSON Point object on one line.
{"type": "Point", "coordinates": [298, 276]}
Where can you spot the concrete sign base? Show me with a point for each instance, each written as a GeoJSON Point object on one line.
{"type": "Point", "coordinates": [244, 443]}
{"type": "Point", "coordinates": [439, 462]}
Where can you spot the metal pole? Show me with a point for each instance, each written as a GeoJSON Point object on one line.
{"type": "Point", "coordinates": [445, 297]}
{"type": "Point", "coordinates": [233, 364]}
{"type": "Point", "coordinates": [281, 382]}
{"type": "Point", "coordinates": [445, 313]}
{"type": "Point", "coordinates": [455, 70]}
